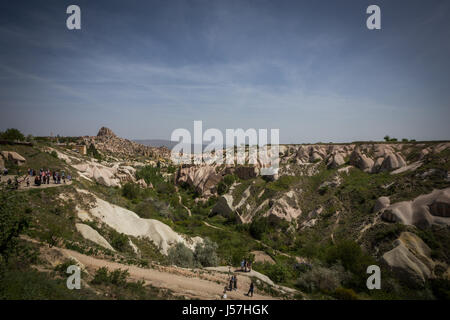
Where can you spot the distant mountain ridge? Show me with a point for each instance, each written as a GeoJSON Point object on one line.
{"type": "Point", "coordinates": [157, 143]}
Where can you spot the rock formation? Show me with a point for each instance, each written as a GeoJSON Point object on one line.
{"type": "Point", "coordinates": [432, 208]}
{"type": "Point", "coordinates": [107, 142]}
{"type": "Point", "coordinates": [410, 259]}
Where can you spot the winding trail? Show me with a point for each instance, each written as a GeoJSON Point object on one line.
{"type": "Point", "coordinates": [189, 283]}
{"type": "Point", "coordinates": [181, 202]}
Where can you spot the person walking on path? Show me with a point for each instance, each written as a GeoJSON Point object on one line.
{"type": "Point", "coordinates": [235, 282]}
{"type": "Point", "coordinates": [250, 290]}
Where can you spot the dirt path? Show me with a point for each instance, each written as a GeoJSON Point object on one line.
{"type": "Point", "coordinates": [181, 203]}
{"type": "Point", "coordinates": [336, 223]}
{"type": "Point", "coordinates": [196, 283]}
{"type": "Point", "coordinates": [214, 227]}
{"type": "Point", "coordinates": [23, 183]}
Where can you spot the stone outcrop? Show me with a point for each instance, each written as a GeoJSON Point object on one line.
{"type": "Point", "coordinates": [361, 161]}
{"type": "Point", "coordinates": [105, 132]}
{"type": "Point", "coordinates": [223, 208]}
{"type": "Point", "coordinates": [203, 179]}
{"type": "Point", "coordinates": [107, 176]}
{"type": "Point", "coordinates": [108, 143]}
{"type": "Point", "coordinates": [410, 259]}
{"type": "Point", "coordinates": [381, 203]}
{"type": "Point", "coordinates": [391, 162]}
{"type": "Point", "coordinates": [142, 183]}
{"type": "Point", "coordinates": [129, 223]}
{"type": "Point", "coordinates": [91, 234]}
{"type": "Point", "coordinates": [335, 161]}
{"type": "Point", "coordinates": [425, 210]}
{"type": "Point", "coordinates": [13, 156]}
{"type": "Point", "coordinates": [285, 208]}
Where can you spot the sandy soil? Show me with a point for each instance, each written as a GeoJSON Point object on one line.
{"type": "Point", "coordinates": [188, 283]}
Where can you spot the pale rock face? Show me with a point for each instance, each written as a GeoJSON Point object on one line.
{"type": "Point", "coordinates": [312, 218]}
{"type": "Point", "coordinates": [382, 150]}
{"type": "Point", "coordinates": [107, 142]}
{"type": "Point", "coordinates": [336, 161]}
{"type": "Point", "coordinates": [129, 223]}
{"type": "Point", "coordinates": [425, 210]}
{"type": "Point", "coordinates": [410, 258]}
{"type": "Point", "coordinates": [381, 203]}
{"type": "Point", "coordinates": [91, 234]}
{"type": "Point", "coordinates": [203, 178]}
{"type": "Point", "coordinates": [392, 162]}
{"type": "Point", "coordinates": [108, 176]}
{"type": "Point", "coordinates": [315, 157]}
{"type": "Point", "coordinates": [377, 165]}
{"type": "Point", "coordinates": [13, 156]}
{"type": "Point", "coordinates": [105, 132]}
{"type": "Point", "coordinates": [142, 183]}
{"type": "Point", "coordinates": [423, 153]}
{"type": "Point", "coordinates": [285, 208]}
{"type": "Point", "coordinates": [361, 161]}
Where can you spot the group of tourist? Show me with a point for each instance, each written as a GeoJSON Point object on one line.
{"type": "Point", "coordinates": [233, 286]}
{"type": "Point", "coordinates": [246, 266]}
{"type": "Point", "coordinates": [43, 177]}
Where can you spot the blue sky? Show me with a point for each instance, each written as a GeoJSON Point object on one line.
{"type": "Point", "coordinates": [309, 68]}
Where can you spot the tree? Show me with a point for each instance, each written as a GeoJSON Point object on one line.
{"type": "Point", "coordinates": [387, 138]}
{"type": "Point", "coordinates": [181, 255]}
{"type": "Point", "coordinates": [12, 135]}
{"type": "Point", "coordinates": [130, 191]}
{"type": "Point", "coordinates": [205, 253]}
{"type": "Point", "coordinates": [93, 152]}
{"type": "Point", "coordinates": [12, 223]}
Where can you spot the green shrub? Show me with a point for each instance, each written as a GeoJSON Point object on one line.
{"type": "Point", "coordinates": [205, 253]}
{"type": "Point", "coordinates": [103, 276]}
{"type": "Point", "coordinates": [62, 267]}
{"type": "Point", "coordinates": [441, 288]}
{"type": "Point", "coordinates": [222, 188]}
{"type": "Point", "coordinates": [131, 191]}
{"type": "Point", "coordinates": [322, 279]}
{"type": "Point", "coordinates": [350, 254]}
{"type": "Point", "coordinates": [12, 135]}
{"type": "Point", "coordinates": [182, 256]}
{"type": "Point", "coordinates": [165, 188]}
{"type": "Point", "coordinates": [345, 294]}
{"type": "Point", "coordinates": [229, 179]}
{"type": "Point", "coordinates": [259, 227]}
{"type": "Point", "coordinates": [150, 175]}
{"type": "Point", "coordinates": [119, 241]}
{"type": "Point", "coordinates": [278, 273]}
{"type": "Point", "coordinates": [93, 152]}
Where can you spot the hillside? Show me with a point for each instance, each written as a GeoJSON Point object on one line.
{"type": "Point", "coordinates": [310, 231]}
